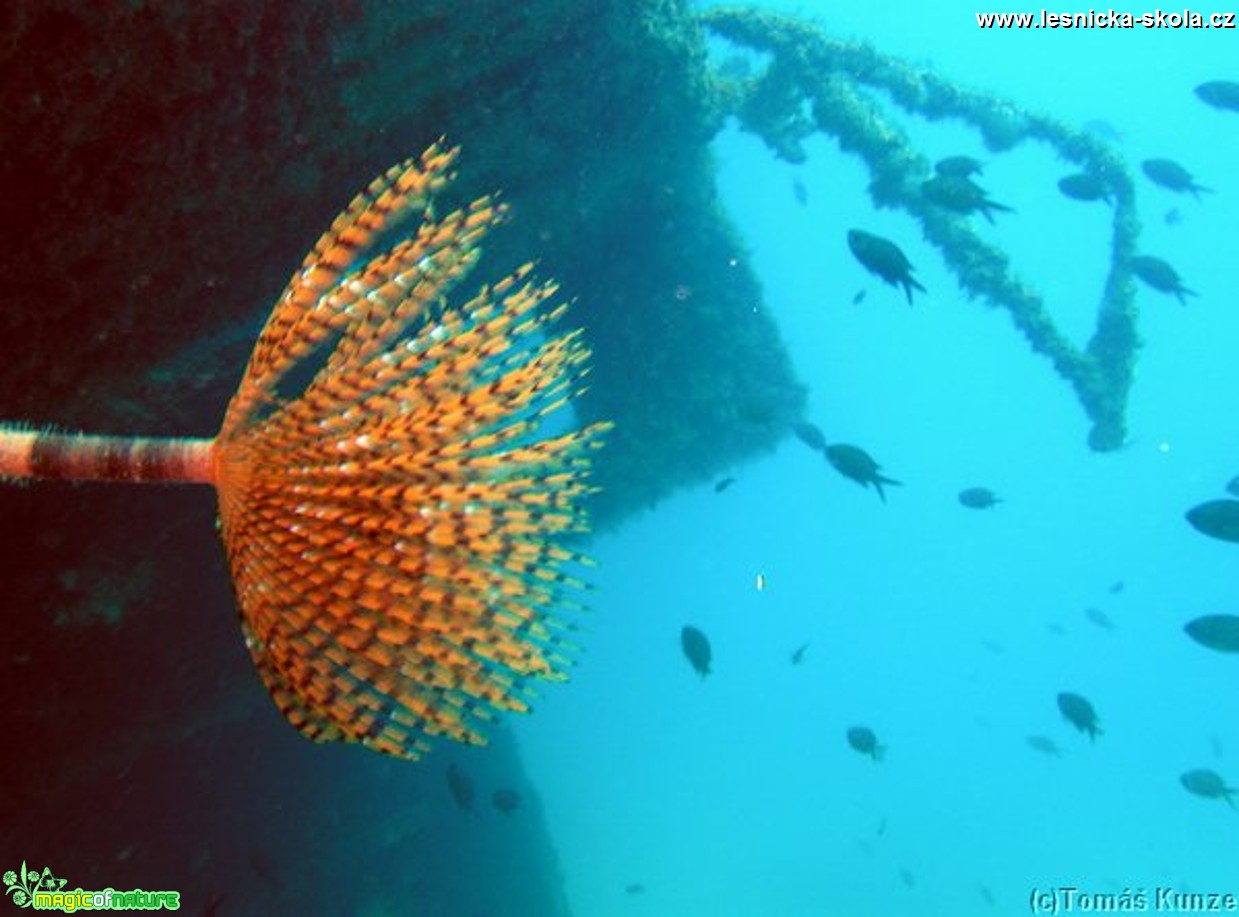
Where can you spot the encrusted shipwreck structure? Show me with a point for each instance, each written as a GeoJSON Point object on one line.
{"type": "Point", "coordinates": [843, 86]}
{"type": "Point", "coordinates": [166, 164]}
{"type": "Point", "coordinates": [169, 163]}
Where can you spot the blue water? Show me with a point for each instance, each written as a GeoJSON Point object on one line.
{"type": "Point", "coordinates": [948, 631]}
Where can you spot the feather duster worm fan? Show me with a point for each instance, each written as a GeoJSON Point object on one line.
{"type": "Point", "coordinates": [391, 510]}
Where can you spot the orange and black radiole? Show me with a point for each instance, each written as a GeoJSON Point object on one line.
{"type": "Point", "coordinates": [391, 511]}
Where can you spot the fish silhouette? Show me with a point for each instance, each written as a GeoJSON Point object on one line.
{"type": "Point", "coordinates": [885, 259]}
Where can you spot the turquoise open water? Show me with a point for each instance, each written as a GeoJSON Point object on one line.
{"type": "Point", "coordinates": [947, 631]}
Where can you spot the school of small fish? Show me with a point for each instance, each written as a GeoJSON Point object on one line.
{"type": "Point", "coordinates": [954, 186]}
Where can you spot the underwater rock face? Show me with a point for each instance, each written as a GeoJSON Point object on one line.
{"type": "Point", "coordinates": [170, 161]}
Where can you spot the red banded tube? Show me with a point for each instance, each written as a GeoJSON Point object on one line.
{"type": "Point", "coordinates": [49, 456]}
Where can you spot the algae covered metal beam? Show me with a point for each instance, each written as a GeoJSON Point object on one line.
{"type": "Point", "coordinates": [842, 84]}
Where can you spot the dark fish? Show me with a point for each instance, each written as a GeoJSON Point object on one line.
{"type": "Point", "coordinates": [858, 298]}
{"type": "Point", "coordinates": [885, 259]}
{"type": "Point", "coordinates": [1207, 783]}
{"type": "Point", "coordinates": [1116, 587]}
{"type": "Point", "coordinates": [856, 464]}
{"type": "Point", "coordinates": [907, 877]}
{"type": "Point", "coordinates": [958, 166]}
{"type": "Point", "coordinates": [1217, 632]}
{"type": "Point", "coordinates": [1215, 745]}
{"type": "Point", "coordinates": [1160, 276]}
{"type": "Point", "coordinates": [1083, 186]}
{"type": "Point", "coordinates": [1172, 176]}
{"type": "Point", "coordinates": [1222, 94]}
{"type": "Point", "coordinates": [636, 888]}
{"type": "Point", "coordinates": [987, 896]}
{"type": "Point", "coordinates": [1232, 486]}
{"type": "Point", "coordinates": [798, 654]}
{"type": "Point", "coordinates": [461, 787]}
{"type": "Point", "coordinates": [978, 498]}
{"type": "Point", "coordinates": [862, 739]}
{"type": "Point", "coordinates": [1080, 713]}
{"type": "Point", "coordinates": [1099, 617]}
{"type": "Point", "coordinates": [962, 195]}
{"type": "Point", "coordinates": [810, 435]}
{"type": "Point", "coordinates": [1173, 217]}
{"type": "Point", "coordinates": [800, 192]}
{"type": "Point", "coordinates": [723, 484]}
{"type": "Point", "coordinates": [1217, 519]}
{"type": "Point", "coordinates": [1044, 745]}
{"type": "Point", "coordinates": [696, 648]}
{"type": "Point", "coordinates": [506, 801]}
